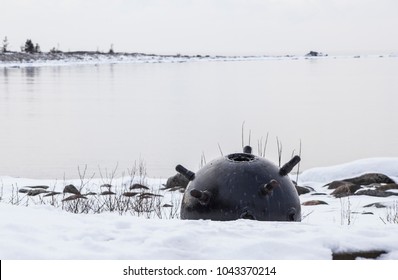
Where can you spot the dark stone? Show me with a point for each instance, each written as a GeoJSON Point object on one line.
{"type": "Point", "coordinates": [370, 178]}
{"type": "Point", "coordinates": [37, 187]}
{"type": "Point", "coordinates": [90, 193]}
{"type": "Point", "coordinates": [23, 191]}
{"type": "Point", "coordinates": [74, 197]}
{"type": "Point", "coordinates": [107, 193]}
{"type": "Point", "coordinates": [51, 194]}
{"type": "Point", "coordinates": [71, 189]}
{"type": "Point", "coordinates": [148, 195]}
{"type": "Point", "coordinates": [302, 190]}
{"type": "Point", "coordinates": [376, 204]}
{"type": "Point", "coordinates": [336, 184]}
{"type": "Point", "coordinates": [317, 193]}
{"type": "Point", "coordinates": [178, 188]}
{"type": "Point", "coordinates": [373, 254]}
{"type": "Point", "coordinates": [345, 190]}
{"type": "Point", "coordinates": [138, 186]}
{"type": "Point", "coordinates": [312, 53]}
{"type": "Point", "coordinates": [176, 182]}
{"type": "Point", "coordinates": [314, 202]}
{"type": "Point", "coordinates": [351, 185]}
{"type": "Point", "coordinates": [375, 193]}
{"type": "Point", "coordinates": [36, 192]}
{"type": "Point", "coordinates": [130, 194]}
{"type": "Point", "coordinates": [387, 187]}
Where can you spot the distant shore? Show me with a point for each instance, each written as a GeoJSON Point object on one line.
{"type": "Point", "coordinates": [23, 59]}
{"type": "Point", "coordinates": [15, 58]}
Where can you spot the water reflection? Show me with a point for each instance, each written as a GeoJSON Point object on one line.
{"type": "Point", "coordinates": [4, 82]}
{"type": "Point", "coordinates": [5, 73]}
{"type": "Point", "coordinates": [30, 71]}
{"type": "Point", "coordinates": [30, 74]}
{"type": "Point", "coordinates": [57, 118]}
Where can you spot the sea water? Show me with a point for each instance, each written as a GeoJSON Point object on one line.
{"type": "Point", "coordinates": [54, 119]}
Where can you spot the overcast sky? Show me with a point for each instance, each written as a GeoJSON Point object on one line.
{"type": "Point", "coordinates": [204, 26]}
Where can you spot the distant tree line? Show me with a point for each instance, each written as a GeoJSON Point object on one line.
{"type": "Point", "coordinates": [30, 47]}
{"type": "Point", "coordinates": [4, 47]}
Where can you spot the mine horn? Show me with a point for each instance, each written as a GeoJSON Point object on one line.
{"type": "Point", "coordinates": [288, 167]}
{"type": "Point", "coordinates": [185, 172]}
{"type": "Point", "coordinates": [247, 150]}
{"type": "Point", "coordinates": [202, 196]}
{"type": "Point", "coordinates": [267, 188]}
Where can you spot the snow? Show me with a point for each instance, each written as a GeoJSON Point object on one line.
{"type": "Point", "coordinates": [33, 230]}
{"type": "Point", "coordinates": [387, 166]}
{"type": "Point", "coordinates": [22, 60]}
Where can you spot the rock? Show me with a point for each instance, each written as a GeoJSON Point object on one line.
{"type": "Point", "coordinates": [345, 190]}
{"type": "Point", "coordinates": [37, 187]}
{"type": "Point", "coordinates": [387, 187]}
{"type": "Point", "coordinates": [375, 193]}
{"type": "Point", "coordinates": [358, 254]}
{"type": "Point", "coordinates": [376, 204]}
{"type": "Point", "coordinates": [90, 193]}
{"type": "Point", "coordinates": [314, 202]}
{"type": "Point", "coordinates": [177, 180]}
{"type": "Point", "coordinates": [302, 190]}
{"type": "Point", "coordinates": [73, 197]}
{"type": "Point", "coordinates": [51, 194]}
{"type": "Point", "coordinates": [147, 195]}
{"type": "Point", "coordinates": [107, 193]}
{"type": "Point", "coordinates": [351, 185]}
{"type": "Point", "coordinates": [370, 178]}
{"type": "Point", "coordinates": [138, 186]}
{"type": "Point", "coordinates": [130, 194]}
{"type": "Point", "coordinates": [23, 191]}
{"type": "Point", "coordinates": [144, 196]}
{"type": "Point", "coordinates": [336, 184]}
{"type": "Point", "coordinates": [318, 193]}
{"type": "Point", "coordinates": [71, 189]}
{"type": "Point", "coordinates": [312, 53]}
{"type": "Point", "coordinates": [36, 192]}
{"type": "Point", "coordinates": [178, 188]}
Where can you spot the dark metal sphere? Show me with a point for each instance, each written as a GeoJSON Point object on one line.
{"type": "Point", "coordinates": [241, 186]}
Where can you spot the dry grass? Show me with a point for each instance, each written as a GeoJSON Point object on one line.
{"type": "Point", "coordinates": [346, 214]}
{"type": "Point", "coordinates": [132, 197]}
{"type": "Point", "coordinates": [391, 215]}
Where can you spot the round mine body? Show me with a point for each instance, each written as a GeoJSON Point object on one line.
{"type": "Point", "coordinates": [241, 186]}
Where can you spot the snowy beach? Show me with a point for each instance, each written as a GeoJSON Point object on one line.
{"type": "Point", "coordinates": [347, 225]}
{"type": "Point", "coordinates": [21, 59]}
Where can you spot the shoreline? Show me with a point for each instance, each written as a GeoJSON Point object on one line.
{"type": "Point", "coordinates": [319, 174]}
{"type": "Point", "coordinates": [22, 59]}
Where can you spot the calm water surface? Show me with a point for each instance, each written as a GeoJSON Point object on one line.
{"type": "Point", "coordinates": [54, 119]}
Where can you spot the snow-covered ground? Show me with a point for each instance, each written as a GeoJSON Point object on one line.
{"type": "Point", "coordinates": [37, 230]}
{"type": "Point", "coordinates": [20, 60]}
